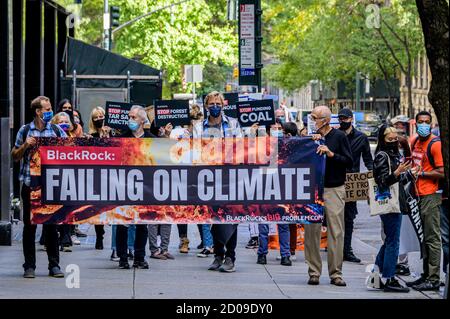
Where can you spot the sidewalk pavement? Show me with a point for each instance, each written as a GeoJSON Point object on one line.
{"type": "Point", "coordinates": [187, 276]}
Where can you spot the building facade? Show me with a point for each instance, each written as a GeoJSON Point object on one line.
{"type": "Point", "coordinates": [421, 82]}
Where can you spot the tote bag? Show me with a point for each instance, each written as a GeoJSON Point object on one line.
{"type": "Point", "coordinates": [383, 201]}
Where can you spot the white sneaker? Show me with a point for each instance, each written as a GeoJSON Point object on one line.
{"type": "Point", "coordinates": [75, 240]}
{"type": "Point", "coordinates": [373, 281]}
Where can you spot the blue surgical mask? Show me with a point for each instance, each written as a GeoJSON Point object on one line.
{"type": "Point", "coordinates": [282, 119]}
{"type": "Point", "coordinates": [133, 125]}
{"type": "Point", "coordinates": [64, 126]}
{"type": "Point", "coordinates": [424, 129]}
{"type": "Point", "coordinates": [276, 133]}
{"type": "Point", "coordinates": [215, 110]}
{"type": "Point", "coordinates": [47, 116]}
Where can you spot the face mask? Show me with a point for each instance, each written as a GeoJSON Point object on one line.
{"type": "Point", "coordinates": [76, 119]}
{"type": "Point", "coordinates": [276, 133]}
{"type": "Point", "coordinates": [133, 125]}
{"type": "Point", "coordinates": [282, 119]}
{"type": "Point", "coordinates": [345, 125]}
{"type": "Point", "coordinates": [215, 110]}
{"type": "Point", "coordinates": [393, 146]}
{"type": "Point", "coordinates": [318, 128]}
{"type": "Point", "coordinates": [424, 129]}
{"type": "Point", "coordinates": [47, 116]}
{"type": "Point", "coordinates": [98, 123]}
{"type": "Point", "coordinates": [64, 126]}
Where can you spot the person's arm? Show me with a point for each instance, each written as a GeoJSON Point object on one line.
{"type": "Point", "coordinates": [345, 154]}
{"type": "Point", "coordinates": [366, 154]}
{"type": "Point", "coordinates": [21, 146]}
{"type": "Point", "coordinates": [381, 173]}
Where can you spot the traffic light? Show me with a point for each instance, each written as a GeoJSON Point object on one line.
{"type": "Point", "coordinates": [114, 11]}
{"type": "Point", "coordinates": [235, 72]}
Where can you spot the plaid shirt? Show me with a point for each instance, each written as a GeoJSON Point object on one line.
{"type": "Point", "coordinates": [20, 139]}
{"type": "Point", "coordinates": [229, 128]}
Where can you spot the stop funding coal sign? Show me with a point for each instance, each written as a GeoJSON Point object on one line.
{"type": "Point", "coordinates": [251, 112]}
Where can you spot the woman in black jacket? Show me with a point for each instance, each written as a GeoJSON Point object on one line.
{"type": "Point", "coordinates": [387, 172]}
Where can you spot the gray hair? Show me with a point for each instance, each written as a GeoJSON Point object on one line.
{"type": "Point", "coordinates": [140, 112]}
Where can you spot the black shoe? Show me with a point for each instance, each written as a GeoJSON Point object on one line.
{"type": "Point", "coordinates": [218, 261]}
{"type": "Point", "coordinates": [140, 264]}
{"type": "Point", "coordinates": [402, 270]}
{"type": "Point", "coordinates": [123, 264]}
{"type": "Point", "coordinates": [350, 257]}
{"type": "Point", "coordinates": [28, 273]}
{"type": "Point", "coordinates": [130, 255]}
{"type": "Point", "coordinates": [79, 233]}
{"type": "Point", "coordinates": [416, 282]}
{"type": "Point", "coordinates": [392, 285]}
{"type": "Point", "coordinates": [227, 266]}
{"type": "Point", "coordinates": [262, 260]}
{"type": "Point", "coordinates": [56, 272]}
{"type": "Point", "coordinates": [313, 281]}
{"type": "Point", "coordinates": [286, 261]}
{"type": "Point", "coordinates": [252, 243]}
{"type": "Point", "coordinates": [99, 244]}
{"type": "Point", "coordinates": [427, 285]}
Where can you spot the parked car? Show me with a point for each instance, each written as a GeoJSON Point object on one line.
{"type": "Point", "coordinates": [369, 124]}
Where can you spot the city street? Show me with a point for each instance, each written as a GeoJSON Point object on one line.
{"type": "Point", "coordinates": [187, 276]}
{"type": "Point", "coordinates": [236, 113]}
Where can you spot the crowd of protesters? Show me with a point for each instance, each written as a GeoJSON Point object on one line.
{"type": "Point", "coordinates": [342, 147]}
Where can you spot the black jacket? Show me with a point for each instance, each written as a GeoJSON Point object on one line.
{"type": "Point", "coordinates": [384, 178]}
{"type": "Point", "coordinates": [128, 133]}
{"type": "Point", "coordinates": [337, 166]}
{"type": "Point", "coordinates": [359, 145]}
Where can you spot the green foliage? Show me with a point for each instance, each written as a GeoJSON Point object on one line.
{"type": "Point", "coordinates": [332, 40]}
{"type": "Point", "coordinates": [195, 32]}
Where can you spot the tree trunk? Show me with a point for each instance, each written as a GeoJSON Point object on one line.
{"type": "Point", "coordinates": [434, 17]}
{"type": "Point", "coordinates": [408, 77]}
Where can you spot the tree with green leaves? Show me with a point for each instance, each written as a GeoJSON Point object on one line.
{"type": "Point", "coordinates": [332, 40]}
{"type": "Point", "coordinates": [194, 32]}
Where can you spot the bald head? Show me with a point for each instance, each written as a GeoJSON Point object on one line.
{"type": "Point", "coordinates": [322, 111]}
{"type": "Point", "coordinates": [322, 117]}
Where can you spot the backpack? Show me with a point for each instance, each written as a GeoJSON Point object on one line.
{"type": "Point", "coordinates": [429, 155]}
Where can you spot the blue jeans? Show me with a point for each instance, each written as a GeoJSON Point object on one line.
{"type": "Point", "coordinates": [387, 256]}
{"type": "Point", "coordinates": [444, 232]}
{"type": "Point", "coordinates": [207, 237]}
{"type": "Point", "coordinates": [131, 237]}
{"type": "Point", "coordinates": [283, 237]}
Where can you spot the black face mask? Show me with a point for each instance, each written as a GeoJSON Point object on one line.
{"type": "Point", "coordinates": [392, 146]}
{"type": "Point", "coordinates": [99, 123]}
{"type": "Point", "coordinates": [345, 125]}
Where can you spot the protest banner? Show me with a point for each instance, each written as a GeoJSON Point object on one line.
{"type": "Point", "coordinates": [175, 112]}
{"type": "Point", "coordinates": [132, 180]}
{"type": "Point", "coordinates": [229, 107]}
{"type": "Point", "coordinates": [116, 114]}
{"type": "Point", "coordinates": [261, 112]}
{"type": "Point", "coordinates": [357, 186]}
{"type": "Point", "coordinates": [274, 242]}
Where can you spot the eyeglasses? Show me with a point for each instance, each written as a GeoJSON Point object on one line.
{"type": "Point", "coordinates": [315, 118]}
